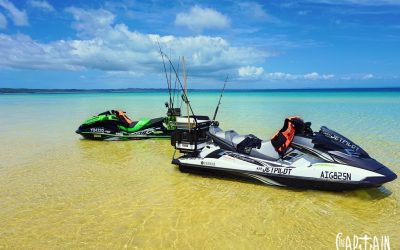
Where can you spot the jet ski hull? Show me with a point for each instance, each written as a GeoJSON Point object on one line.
{"type": "Point", "coordinates": [318, 176]}
{"type": "Point", "coordinates": [111, 130]}
{"type": "Point", "coordinates": [148, 134]}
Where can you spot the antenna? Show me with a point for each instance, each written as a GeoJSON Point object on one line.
{"type": "Point", "coordinates": [220, 97]}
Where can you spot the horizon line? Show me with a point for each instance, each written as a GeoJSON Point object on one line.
{"type": "Point", "coordinates": [52, 90]}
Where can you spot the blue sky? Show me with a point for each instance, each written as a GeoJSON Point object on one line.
{"type": "Point", "coordinates": [259, 44]}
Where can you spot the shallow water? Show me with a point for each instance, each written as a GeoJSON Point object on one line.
{"type": "Point", "coordinates": [58, 191]}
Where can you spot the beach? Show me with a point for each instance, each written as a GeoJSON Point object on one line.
{"type": "Point", "coordinates": [59, 191]}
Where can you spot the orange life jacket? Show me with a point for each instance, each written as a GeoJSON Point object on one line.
{"type": "Point", "coordinates": [282, 139]}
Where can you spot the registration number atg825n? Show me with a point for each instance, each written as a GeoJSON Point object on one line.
{"type": "Point", "coordinates": [336, 175]}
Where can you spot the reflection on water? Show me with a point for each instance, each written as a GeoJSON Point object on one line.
{"type": "Point", "coordinates": [58, 191]}
{"type": "Point", "coordinates": [371, 194]}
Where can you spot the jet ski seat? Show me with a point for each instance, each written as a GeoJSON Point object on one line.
{"type": "Point", "coordinates": [227, 135]}
{"type": "Point", "coordinates": [259, 148]}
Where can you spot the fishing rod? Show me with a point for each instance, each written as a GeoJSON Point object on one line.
{"type": "Point", "coordinates": [174, 95]}
{"type": "Point", "coordinates": [220, 97]}
{"type": "Point", "coordinates": [184, 96]}
{"type": "Point", "coordinates": [170, 80]}
{"type": "Point", "coordinates": [166, 77]}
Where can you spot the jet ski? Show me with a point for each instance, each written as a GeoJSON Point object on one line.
{"type": "Point", "coordinates": [296, 157]}
{"type": "Point", "coordinates": [116, 125]}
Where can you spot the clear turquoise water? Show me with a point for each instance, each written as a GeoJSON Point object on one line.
{"type": "Point", "coordinates": [57, 190]}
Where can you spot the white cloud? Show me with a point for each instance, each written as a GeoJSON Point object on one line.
{"type": "Point", "coordinates": [326, 77]}
{"type": "Point", "coordinates": [41, 4]}
{"type": "Point", "coordinates": [315, 76]}
{"type": "Point", "coordinates": [249, 72]}
{"type": "Point", "coordinates": [255, 10]}
{"type": "Point", "coordinates": [20, 51]}
{"type": "Point", "coordinates": [281, 76]}
{"type": "Point", "coordinates": [311, 76]}
{"type": "Point", "coordinates": [199, 18]}
{"type": "Point", "coordinates": [368, 76]}
{"type": "Point", "coordinates": [358, 76]}
{"type": "Point", "coordinates": [91, 22]}
{"type": "Point", "coordinates": [110, 47]}
{"type": "Point", "coordinates": [19, 17]}
{"type": "Point", "coordinates": [3, 21]}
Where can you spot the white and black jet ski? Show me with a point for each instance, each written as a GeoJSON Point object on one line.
{"type": "Point", "coordinates": [295, 157]}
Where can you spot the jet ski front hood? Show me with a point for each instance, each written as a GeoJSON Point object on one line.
{"type": "Point", "coordinates": [332, 141]}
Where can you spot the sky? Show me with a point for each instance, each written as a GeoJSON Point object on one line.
{"type": "Point", "coordinates": [257, 44]}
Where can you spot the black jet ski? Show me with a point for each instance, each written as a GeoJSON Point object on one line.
{"type": "Point", "coordinates": [295, 157]}
{"type": "Point", "coordinates": [116, 125]}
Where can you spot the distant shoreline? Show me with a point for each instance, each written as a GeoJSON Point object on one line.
{"type": "Point", "coordinates": [136, 90]}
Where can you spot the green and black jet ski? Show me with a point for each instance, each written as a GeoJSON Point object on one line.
{"type": "Point", "coordinates": [116, 125]}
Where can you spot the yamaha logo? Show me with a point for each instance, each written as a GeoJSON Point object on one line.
{"type": "Point", "coordinates": [207, 163]}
